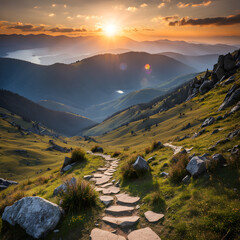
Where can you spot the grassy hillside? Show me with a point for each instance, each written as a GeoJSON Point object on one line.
{"type": "Point", "coordinates": [66, 123]}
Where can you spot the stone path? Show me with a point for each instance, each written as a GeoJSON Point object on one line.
{"type": "Point", "coordinates": [176, 149]}
{"type": "Point", "coordinates": [120, 217]}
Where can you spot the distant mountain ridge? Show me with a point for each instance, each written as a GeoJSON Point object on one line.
{"type": "Point", "coordinates": [63, 49]}
{"type": "Point", "coordinates": [91, 81]}
{"type": "Point", "coordinates": [65, 123]}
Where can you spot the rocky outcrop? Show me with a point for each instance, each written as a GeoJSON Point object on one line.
{"type": "Point", "coordinates": [34, 214]}
{"type": "Point", "coordinates": [141, 164]}
{"type": "Point", "coordinates": [196, 166]}
{"type": "Point", "coordinates": [6, 183]}
{"type": "Point", "coordinates": [57, 147]}
{"type": "Point", "coordinates": [232, 97]}
{"type": "Point", "coordinates": [208, 121]}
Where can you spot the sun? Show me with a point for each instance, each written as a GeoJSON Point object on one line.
{"type": "Point", "coordinates": [110, 30]}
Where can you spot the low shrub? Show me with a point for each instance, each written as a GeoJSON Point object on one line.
{"type": "Point", "coordinates": [78, 155]}
{"type": "Point", "coordinates": [116, 154]}
{"type": "Point", "coordinates": [156, 201]}
{"type": "Point", "coordinates": [178, 169]}
{"type": "Point", "coordinates": [155, 146]}
{"type": "Point", "coordinates": [79, 196]}
{"type": "Point", "coordinates": [97, 148]}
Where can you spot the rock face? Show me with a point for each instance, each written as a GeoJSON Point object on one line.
{"type": "Point", "coordinates": [219, 158]}
{"type": "Point", "coordinates": [34, 214]}
{"type": "Point", "coordinates": [231, 98]}
{"type": "Point", "coordinates": [143, 234]}
{"type": "Point", "coordinates": [196, 166]}
{"type": "Point", "coordinates": [57, 147]}
{"type": "Point", "coordinates": [63, 187]}
{"type": "Point", "coordinates": [6, 183]}
{"type": "Point", "coordinates": [98, 234]}
{"type": "Point", "coordinates": [152, 216]}
{"type": "Point", "coordinates": [206, 86]}
{"type": "Point", "coordinates": [141, 164]}
{"type": "Point", "coordinates": [208, 121]}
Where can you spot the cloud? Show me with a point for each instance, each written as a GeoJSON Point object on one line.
{"type": "Point", "coordinates": [131, 9]}
{"type": "Point", "coordinates": [161, 5]}
{"type": "Point", "coordinates": [205, 3]}
{"type": "Point", "coordinates": [202, 4]}
{"type": "Point", "coordinates": [26, 27]}
{"type": "Point", "coordinates": [170, 18]}
{"type": "Point", "coordinates": [51, 15]}
{"type": "Point", "coordinates": [65, 30]}
{"type": "Point", "coordinates": [156, 19]}
{"type": "Point", "coordinates": [89, 17]}
{"type": "Point", "coordinates": [53, 5]}
{"type": "Point", "coordinates": [143, 5]}
{"type": "Point", "coordinates": [218, 21]}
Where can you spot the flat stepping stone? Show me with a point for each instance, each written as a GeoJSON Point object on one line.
{"type": "Point", "coordinates": [152, 216]}
{"type": "Point", "coordinates": [106, 200]}
{"type": "Point", "coordinates": [143, 234]}
{"type": "Point", "coordinates": [126, 199]}
{"type": "Point", "coordinates": [107, 185]}
{"type": "Point", "coordinates": [98, 189]}
{"type": "Point", "coordinates": [102, 169]}
{"type": "Point", "coordinates": [97, 175]}
{"type": "Point", "coordinates": [119, 210]}
{"type": "Point", "coordinates": [122, 221]}
{"type": "Point", "coordinates": [102, 180]}
{"type": "Point", "coordinates": [87, 177]}
{"type": "Point", "coordinates": [111, 170]}
{"type": "Point", "coordinates": [108, 173]}
{"type": "Point", "coordinates": [111, 190]}
{"type": "Point", "coordinates": [99, 234]}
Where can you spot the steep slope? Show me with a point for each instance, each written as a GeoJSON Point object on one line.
{"type": "Point", "coordinates": [201, 63]}
{"type": "Point", "coordinates": [62, 122]}
{"type": "Point", "coordinates": [91, 81]}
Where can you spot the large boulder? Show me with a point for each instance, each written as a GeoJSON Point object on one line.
{"type": "Point", "coordinates": [208, 121]}
{"type": "Point", "coordinates": [196, 166]}
{"type": "Point", "coordinates": [34, 214]}
{"type": "Point", "coordinates": [206, 86]}
{"type": "Point", "coordinates": [229, 62]}
{"type": "Point", "coordinates": [63, 187]}
{"type": "Point", "coordinates": [231, 100]}
{"type": "Point", "coordinates": [141, 164]}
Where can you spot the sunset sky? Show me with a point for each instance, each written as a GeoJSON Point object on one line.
{"type": "Point", "coordinates": [196, 20]}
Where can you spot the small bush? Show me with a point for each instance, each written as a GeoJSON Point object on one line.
{"type": "Point", "coordinates": [79, 196]}
{"type": "Point", "coordinates": [78, 155]}
{"type": "Point", "coordinates": [155, 146]}
{"type": "Point", "coordinates": [116, 154]}
{"type": "Point", "coordinates": [178, 170]}
{"type": "Point", "coordinates": [97, 148]}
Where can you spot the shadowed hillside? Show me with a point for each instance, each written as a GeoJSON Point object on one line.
{"type": "Point", "coordinates": [62, 122]}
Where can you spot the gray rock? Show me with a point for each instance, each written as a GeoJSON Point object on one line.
{"type": "Point", "coordinates": [141, 164]}
{"type": "Point", "coordinates": [87, 177]}
{"type": "Point", "coordinates": [186, 179]}
{"type": "Point", "coordinates": [196, 166]}
{"type": "Point", "coordinates": [206, 86]}
{"type": "Point", "coordinates": [7, 182]}
{"type": "Point", "coordinates": [67, 161]}
{"type": "Point", "coordinates": [2, 187]}
{"type": "Point", "coordinates": [234, 97]}
{"type": "Point", "coordinates": [208, 121]}
{"type": "Point", "coordinates": [229, 62]}
{"type": "Point", "coordinates": [68, 167]}
{"type": "Point", "coordinates": [106, 200]}
{"type": "Point", "coordinates": [151, 159]}
{"type": "Point", "coordinates": [219, 118]}
{"type": "Point", "coordinates": [34, 214]}
{"type": "Point", "coordinates": [215, 131]}
{"type": "Point", "coordinates": [220, 73]}
{"type": "Point", "coordinates": [229, 81]}
{"type": "Point", "coordinates": [234, 133]}
{"type": "Point", "coordinates": [235, 108]}
{"type": "Point", "coordinates": [164, 174]}
{"type": "Point", "coordinates": [219, 158]}
{"type": "Point", "coordinates": [63, 187]}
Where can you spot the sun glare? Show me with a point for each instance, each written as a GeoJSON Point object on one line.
{"type": "Point", "coordinates": [110, 30]}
